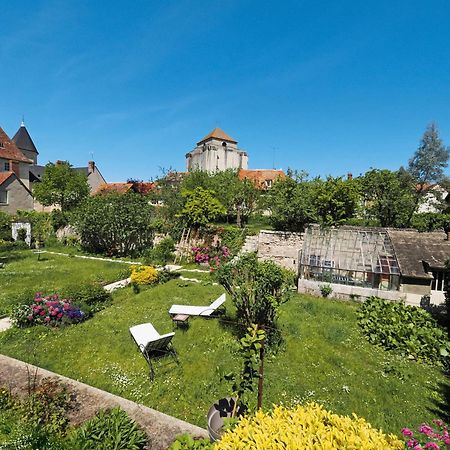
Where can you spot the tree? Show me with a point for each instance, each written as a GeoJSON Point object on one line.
{"type": "Point", "coordinates": [201, 207]}
{"type": "Point", "coordinates": [428, 162]}
{"type": "Point", "coordinates": [336, 200]}
{"type": "Point", "coordinates": [291, 203]}
{"type": "Point", "coordinates": [388, 197]}
{"type": "Point", "coordinates": [61, 185]}
{"type": "Point", "coordinates": [115, 224]}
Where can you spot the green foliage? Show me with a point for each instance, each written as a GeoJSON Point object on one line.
{"type": "Point", "coordinates": [249, 350]}
{"type": "Point", "coordinates": [161, 253]}
{"type": "Point", "coordinates": [59, 219]}
{"type": "Point", "coordinates": [110, 430]}
{"type": "Point", "coordinates": [431, 221]}
{"type": "Point", "coordinates": [187, 442]}
{"type": "Point", "coordinates": [407, 330]}
{"type": "Point", "coordinates": [257, 289]}
{"type": "Point", "coordinates": [90, 297]}
{"type": "Point", "coordinates": [115, 224]}
{"type": "Point", "coordinates": [61, 185]}
{"type": "Point", "coordinates": [201, 207]}
{"type": "Point", "coordinates": [326, 290]}
{"type": "Point", "coordinates": [430, 159]}
{"type": "Point", "coordinates": [41, 224]}
{"type": "Point", "coordinates": [388, 197]}
{"type": "Point", "coordinates": [21, 234]}
{"type": "Point", "coordinates": [233, 238]}
{"type": "Point", "coordinates": [336, 200]}
{"type": "Point", "coordinates": [5, 226]}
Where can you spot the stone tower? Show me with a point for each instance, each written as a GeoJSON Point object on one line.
{"type": "Point", "coordinates": [215, 152]}
{"type": "Point", "coordinates": [25, 144]}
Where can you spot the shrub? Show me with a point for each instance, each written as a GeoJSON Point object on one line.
{"type": "Point", "coordinates": [408, 330]}
{"type": "Point", "coordinates": [90, 297]}
{"type": "Point", "coordinates": [257, 289]}
{"type": "Point", "coordinates": [187, 442]}
{"type": "Point", "coordinates": [144, 275]}
{"type": "Point", "coordinates": [110, 430]}
{"type": "Point", "coordinates": [161, 253]}
{"type": "Point", "coordinates": [305, 427]}
{"type": "Point", "coordinates": [213, 256]}
{"type": "Point", "coordinates": [326, 290]}
{"type": "Point", "coordinates": [233, 239]}
{"type": "Point", "coordinates": [5, 226]}
{"type": "Point", "coordinates": [9, 246]}
{"type": "Point", "coordinates": [47, 310]}
{"type": "Point", "coordinates": [115, 224]}
{"type": "Point", "coordinates": [427, 437]}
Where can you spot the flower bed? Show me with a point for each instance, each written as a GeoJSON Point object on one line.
{"type": "Point", "coordinates": [47, 310]}
{"type": "Point", "coordinates": [428, 437]}
{"type": "Point", "coordinates": [144, 275]}
{"type": "Point", "coordinates": [212, 256]}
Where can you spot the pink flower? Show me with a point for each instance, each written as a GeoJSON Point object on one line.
{"type": "Point", "coordinates": [407, 432]}
{"type": "Point", "coordinates": [60, 315]}
{"type": "Point", "coordinates": [42, 313]}
{"type": "Point", "coordinates": [47, 319]}
{"type": "Point", "coordinates": [425, 429]}
{"type": "Point", "coordinates": [30, 317]}
{"type": "Point", "coordinates": [447, 441]}
{"type": "Point", "coordinates": [432, 445]}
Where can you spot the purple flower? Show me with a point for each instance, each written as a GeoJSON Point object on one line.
{"type": "Point", "coordinates": [432, 445]}
{"type": "Point", "coordinates": [425, 429]}
{"type": "Point", "coordinates": [412, 442]}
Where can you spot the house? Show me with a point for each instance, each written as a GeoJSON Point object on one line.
{"type": "Point", "coordinates": [263, 179]}
{"type": "Point", "coordinates": [14, 180]}
{"type": "Point", "coordinates": [360, 262]}
{"type": "Point", "coordinates": [217, 151]}
{"type": "Point", "coordinates": [436, 199]}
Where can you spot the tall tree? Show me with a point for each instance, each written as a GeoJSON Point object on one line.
{"type": "Point", "coordinates": [61, 185]}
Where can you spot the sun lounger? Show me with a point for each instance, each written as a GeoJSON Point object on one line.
{"type": "Point", "coordinates": [204, 311]}
{"type": "Point", "coordinates": [150, 342]}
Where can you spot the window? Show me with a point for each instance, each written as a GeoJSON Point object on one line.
{"type": "Point", "coordinates": [1, 144]}
{"type": "Point", "coordinates": [7, 166]}
{"type": "Point", "coordinates": [268, 183]}
{"type": "Point", "coordinates": [4, 197]}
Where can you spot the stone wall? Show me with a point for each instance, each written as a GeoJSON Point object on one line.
{"type": "Point", "coordinates": [280, 247]}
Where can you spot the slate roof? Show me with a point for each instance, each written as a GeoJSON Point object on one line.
{"type": "Point", "coordinates": [217, 133]}
{"type": "Point", "coordinates": [23, 140]}
{"type": "Point", "coordinates": [9, 150]}
{"type": "Point", "coordinates": [415, 251]}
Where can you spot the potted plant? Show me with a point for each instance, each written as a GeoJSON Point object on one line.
{"type": "Point", "coordinates": [242, 383]}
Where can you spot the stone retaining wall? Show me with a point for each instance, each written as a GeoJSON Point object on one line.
{"type": "Point", "coordinates": [160, 428]}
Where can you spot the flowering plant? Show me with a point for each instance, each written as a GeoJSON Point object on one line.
{"type": "Point", "coordinates": [212, 256]}
{"type": "Point", "coordinates": [144, 275]}
{"type": "Point", "coordinates": [428, 437]}
{"type": "Point", "coordinates": [47, 310]}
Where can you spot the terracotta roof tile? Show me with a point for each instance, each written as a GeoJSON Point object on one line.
{"type": "Point", "coordinates": [218, 134]}
{"type": "Point", "coordinates": [108, 188]}
{"type": "Point", "coordinates": [9, 150]}
{"type": "Point", "coordinates": [261, 177]}
{"type": "Point", "coordinates": [4, 176]}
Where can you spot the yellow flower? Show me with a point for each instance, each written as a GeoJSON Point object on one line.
{"type": "Point", "coordinates": [144, 275]}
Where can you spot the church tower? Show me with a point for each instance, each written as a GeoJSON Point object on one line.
{"type": "Point", "coordinates": [25, 144]}
{"type": "Point", "coordinates": [217, 151]}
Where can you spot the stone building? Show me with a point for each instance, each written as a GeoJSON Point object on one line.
{"type": "Point", "coordinates": [215, 152]}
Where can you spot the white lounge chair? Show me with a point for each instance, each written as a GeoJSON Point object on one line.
{"type": "Point", "coordinates": [204, 311]}
{"type": "Point", "coordinates": [151, 342]}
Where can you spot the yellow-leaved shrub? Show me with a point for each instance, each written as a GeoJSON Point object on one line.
{"type": "Point", "coordinates": [305, 427]}
{"type": "Point", "coordinates": [144, 275]}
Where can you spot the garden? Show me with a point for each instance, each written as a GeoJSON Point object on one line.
{"type": "Point", "coordinates": [320, 355]}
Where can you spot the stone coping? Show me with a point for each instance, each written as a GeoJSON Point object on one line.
{"type": "Point", "coordinates": [160, 428]}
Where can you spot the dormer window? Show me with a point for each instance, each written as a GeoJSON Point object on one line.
{"type": "Point", "coordinates": [7, 166]}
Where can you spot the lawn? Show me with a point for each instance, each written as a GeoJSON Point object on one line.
{"type": "Point", "coordinates": [324, 358]}
{"type": "Point", "coordinates": [23, 271]}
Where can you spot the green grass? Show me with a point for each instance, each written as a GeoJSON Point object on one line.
{"type": "Point", "coordinates": [24, 272]}
{"type": "Point", "coordinates": [324, 358]}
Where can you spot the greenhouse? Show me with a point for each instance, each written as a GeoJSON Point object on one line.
{"type": "Point", "coordinates": [350, 255]}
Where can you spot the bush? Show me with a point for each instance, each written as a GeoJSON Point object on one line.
{"type": "Point", "coordinates": [115, 224]}
{"type": "Point", "coordinates": [233, 239]}
{"type": "Point", "coordinates": [41, 224]}
{"type": "Point", "coordinates": [426, 436]}
{"type": "Point", "coordinates": [9, 246]}
{"type": "Point", "coordinates": [187, 442]}
{"type": "Point", "coordinates": [110, 430]}
{"type": "Point", "coordinates": [305, 427]}
{"type": "Point", "coordinates": [407, 330]}
{"type": "Point", "coordinates": [326, 290]}
{"type": "Point", "coordinates": [90, 297]}
{"type": "Point", "coordinates": [47, 310]}
{"type": "Point", "coordinates": [5, 226]}
{"type": "Point", "coordinates": [431, 221]}
{"type": "Point", "coordinates": [144, 275]}
{"type": "Point", "coordinates": [161, 253]}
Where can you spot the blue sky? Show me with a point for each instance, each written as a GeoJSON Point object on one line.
{"type": "Point", "coordinates": [328, 87]}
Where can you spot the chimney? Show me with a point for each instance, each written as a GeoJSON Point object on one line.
{"type": "Point", "coordinates": [349, 176]}
{"type": "Point", "coordinates": [91, 166]}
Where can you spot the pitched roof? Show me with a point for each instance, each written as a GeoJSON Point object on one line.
{"type": "Point", "coordinates": [5, 176]}
{"type": "Point", "coordinates": [414, 251]}
{"type": "Point", "coordinates": [9, 150]}
{"type": "Point", "coordinates": [23, 140]}
{"type": "Point", "coordinates": [259, 177]}
{"type": "Point", "coordinates": [108, 188]}
{"type": "Point", "coordinates": [217, 133]}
